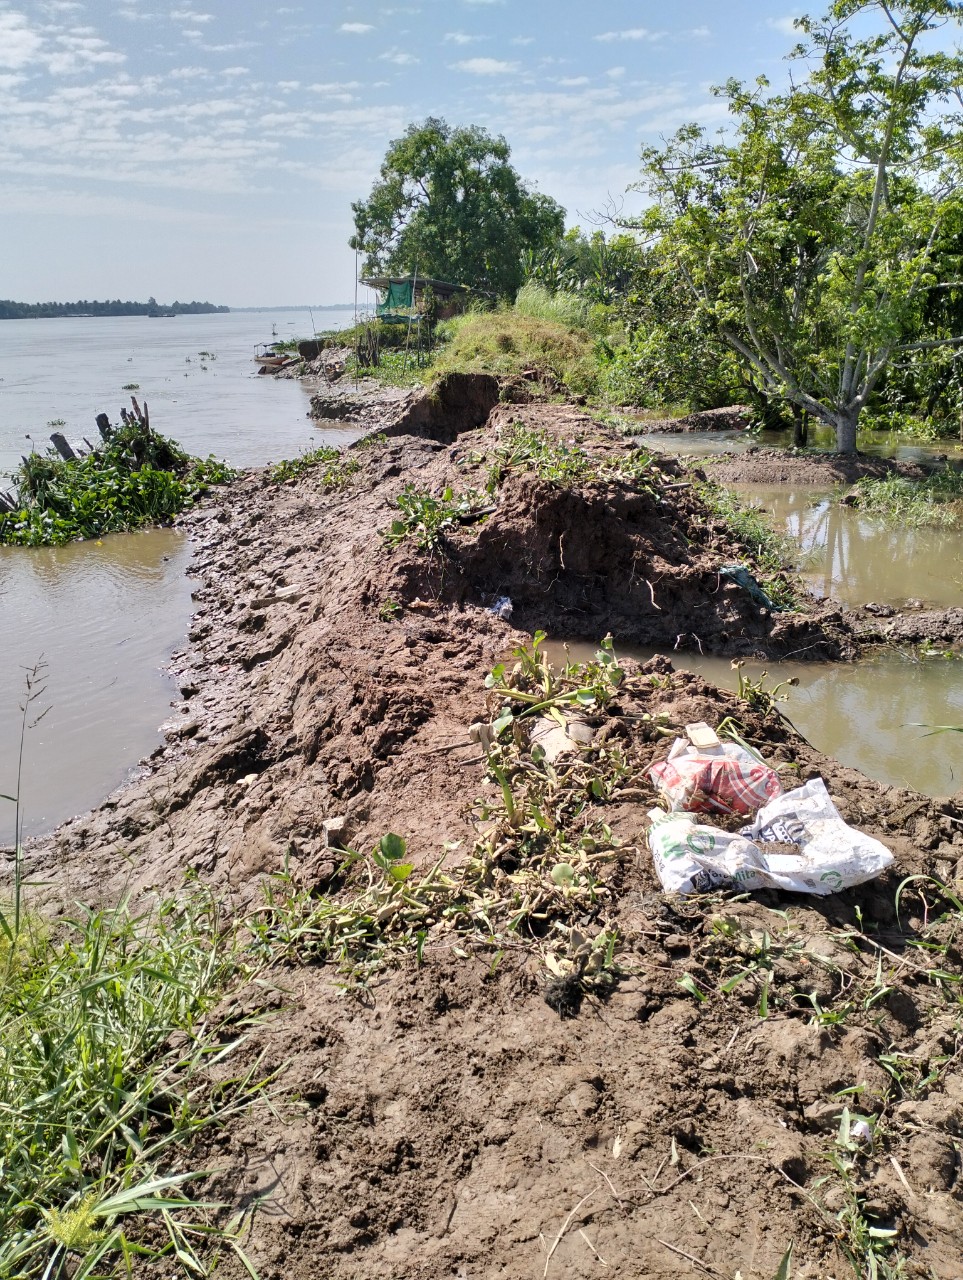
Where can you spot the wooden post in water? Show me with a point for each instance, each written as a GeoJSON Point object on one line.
{"type": "Point", "coordinates": [104, 427]}
{"type": "Point", "coordinates": [59, 442]}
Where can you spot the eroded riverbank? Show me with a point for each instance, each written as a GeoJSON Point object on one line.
{"type": "Point", "coordinates": [445, 1116]}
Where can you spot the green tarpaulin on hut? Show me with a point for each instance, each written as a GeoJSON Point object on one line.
{"type": "Point", "coordinates": [398, 297]}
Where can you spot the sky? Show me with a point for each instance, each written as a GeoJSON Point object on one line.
{"type": "Point", "coordinates": [212, 151]}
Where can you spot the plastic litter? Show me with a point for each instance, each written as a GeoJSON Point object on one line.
{"type": "Point", "coordinates": [827, 856]}
{"type": "Point", "coordinates": [502, 608]}
{"type": "Point", "coordinates": [832, 855]}
{"type": "Point", "coordinates": [722, 779]}
{"type": "Point", "coordinates": [741, 576]}
{"type": "Point", "coordinates": [694, 858]}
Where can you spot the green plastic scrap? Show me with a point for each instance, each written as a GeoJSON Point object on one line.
{"type": "Point", "coordinates": [741, 576]}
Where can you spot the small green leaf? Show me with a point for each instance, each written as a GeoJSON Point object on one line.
{"type": "Point", "coordinates": [785, 1267]}
{"type": "Point", "coordinates": [400, 872]}
{"type": "Point", "coordinates": [688, 983]}
{"type": "Point", "coordinates": [392, 847]}
{"type": "Point", "coordinates": [563, 873]}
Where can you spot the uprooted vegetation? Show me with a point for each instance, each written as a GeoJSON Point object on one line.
{"type": "Point", "coordinates": [495, 1045]}
{"type": "Point", "coordinates": [137, 477]}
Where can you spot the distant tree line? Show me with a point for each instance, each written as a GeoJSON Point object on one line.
{"type": "Point", "coordinates": [42, 310]}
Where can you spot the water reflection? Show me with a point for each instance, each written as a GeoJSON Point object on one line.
{"type": "Point", "coordinates": [709, 443]}
{"type": "Point", "coordinates": [105, 617]}
{"type": "Point", "coordinates": [854, 558]}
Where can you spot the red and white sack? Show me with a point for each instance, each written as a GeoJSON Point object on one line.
{"type": "Point", "coordinates": [723, 779]}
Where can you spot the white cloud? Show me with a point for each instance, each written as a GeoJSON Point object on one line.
{"type": "Point", "coordinates": [785, 25]}
{"type": "Point", "coordinates": [399, 58]}
{"type": "Point", "coordinates": [615, 73]}
{"type": "Point", "coordinates": [459, 37]}
{"type": "Point", "coordinates": [334, 87]}
{"type": "Point", "coordinates": [486, 66]}
{"type": "Point", "coordinates": [523, 40]}
{"type": "Point", "coordinates": [573, 82]}
{"type": "Point", "coordinates": [701, 32]}
{"type": "Point", "coordinates": [234, 71]}
{"type": "Point", "coordinates": [19, 43]}
{"type": "Point", "coordinates": [286, 86]}
{"type": "Point", "coordinates": [633, 33]}
{"type": "Point", "coordinates": [356, 28]}
{"type": "Point", "coordinates": [191, 15]}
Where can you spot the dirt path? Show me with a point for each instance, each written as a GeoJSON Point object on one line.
{"type": "Point", "coordinates": [446, 1121]}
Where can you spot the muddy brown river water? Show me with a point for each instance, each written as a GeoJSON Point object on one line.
{"type": "Point", "coordinates": [102, 618]}
{"type": "Point", "coordinates": [106, 616]}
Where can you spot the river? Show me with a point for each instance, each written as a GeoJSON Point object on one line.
{"type": "Point", "coordinates": [105, 617]}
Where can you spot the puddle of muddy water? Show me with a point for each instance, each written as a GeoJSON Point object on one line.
{"type": "Point", "coordinates": [866, 716]}
{"type": "Point", "coordinates": [854, 558]}
{"type": "Point", "coordinates": [105, 617]}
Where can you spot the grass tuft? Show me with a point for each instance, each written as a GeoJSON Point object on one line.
{"type": "Point", "coordinates": [934, 502]}
{"type": "Point", "coordinates": [333, 468]}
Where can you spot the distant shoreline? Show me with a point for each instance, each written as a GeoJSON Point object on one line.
{"type": "Point", "coordinates": [94, 310]}
{"type": "Point", "coordinates": [321, 306]}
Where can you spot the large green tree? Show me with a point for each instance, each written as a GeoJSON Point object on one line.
{"type": "Point", "coordinates": [814, 234]}
{"type": "Point", "coordinates": [448, 204]}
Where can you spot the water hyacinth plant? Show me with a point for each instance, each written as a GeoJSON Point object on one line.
{"type": "Point", "coordinates": [136, 478]}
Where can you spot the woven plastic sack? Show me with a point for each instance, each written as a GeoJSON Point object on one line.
{"type": "Point", "coordinates": [828, 856]}
{"type": "Point", "coordinates": [832, 855]}
{"type": "Point", "coordinates": [723, 779]}
{"type": "Point", "coordinates": [694, 858]}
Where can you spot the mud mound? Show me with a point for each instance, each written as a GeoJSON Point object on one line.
{"type": "Point", "coordinates": [776, 466]}
{"type": "Point", "coordinates": [457, 402]}
{"type": "Point", "coordinates": [734, 417]}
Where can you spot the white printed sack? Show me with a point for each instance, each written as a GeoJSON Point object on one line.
{"type": "Point", "coordinates": [694, 858]}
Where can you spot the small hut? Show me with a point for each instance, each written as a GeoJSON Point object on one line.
{"type": "Point", "coordinates": [402, 298]}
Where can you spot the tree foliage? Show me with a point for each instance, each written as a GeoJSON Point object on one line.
{"type": "Point", "coordinates": [814, 236]}
{"type": "Point", "coordinates": [448, 204]}
{"type": "Point", "coordinates": [600, 268]}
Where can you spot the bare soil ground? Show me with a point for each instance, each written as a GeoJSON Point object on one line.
{"type": "Point", "coordinates": [446, 1119]}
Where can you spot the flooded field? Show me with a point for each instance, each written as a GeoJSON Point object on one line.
{"type": "Point", "coordinates": [855, 558]}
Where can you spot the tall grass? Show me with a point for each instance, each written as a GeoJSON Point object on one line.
{"type": "Point", "coordinates": [562, 308]}
{"type": "Point", "coordinates": [511, 343]}
{"type": "Point", "coordinates": [936, 501]}
{"type": "Point", "coordinates": [97, 1093]}
{"type": "Point", "coordinates": [91, 1100]}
